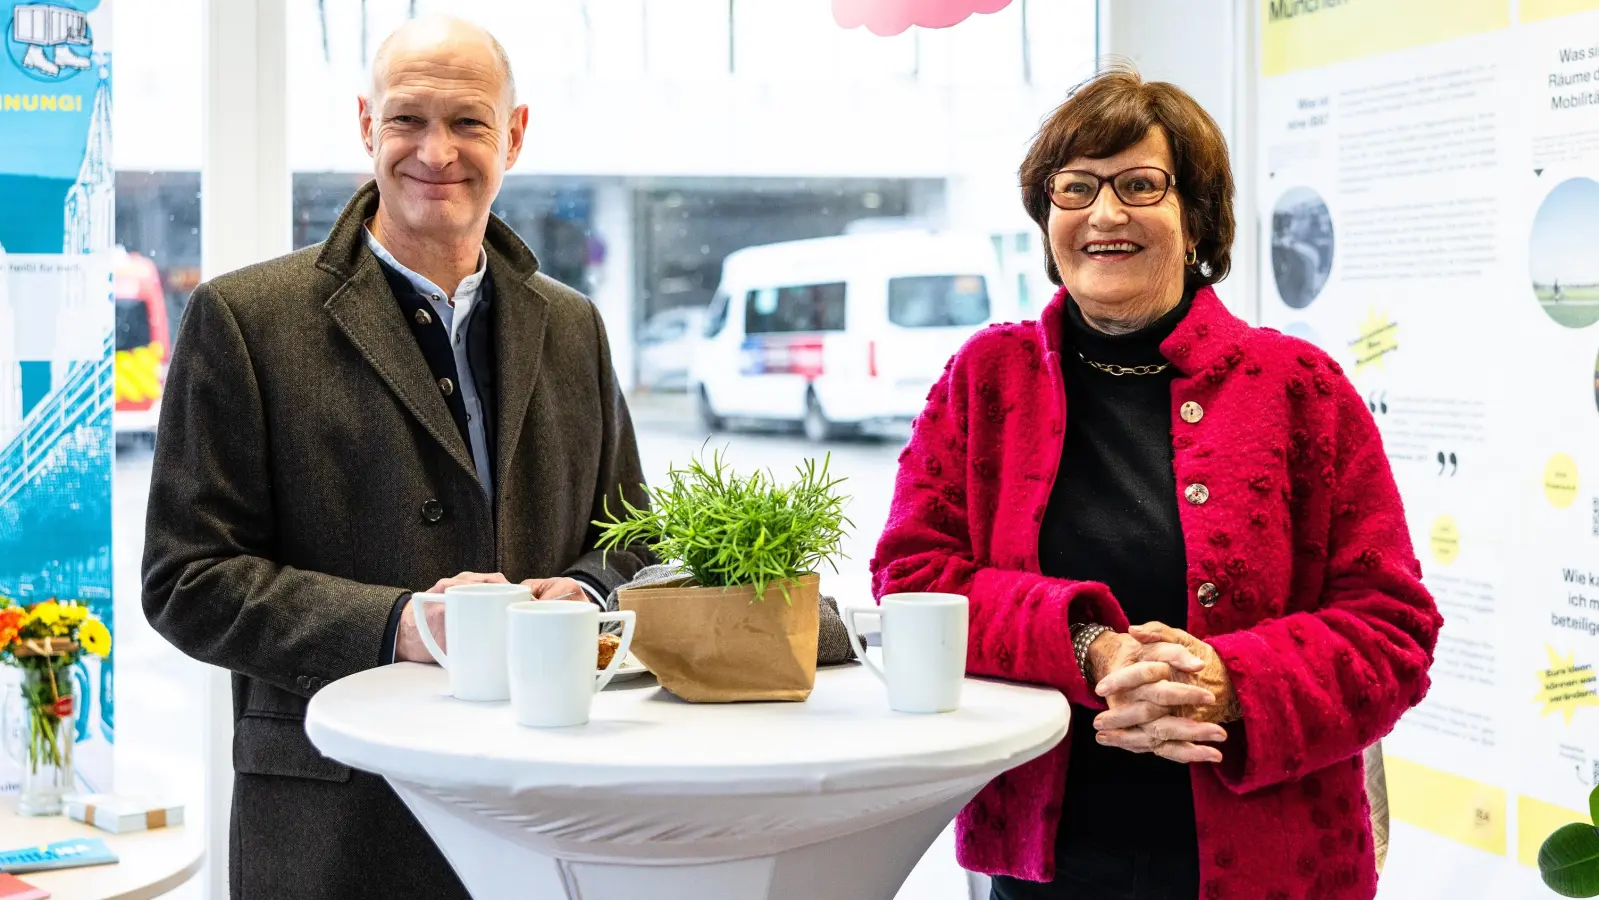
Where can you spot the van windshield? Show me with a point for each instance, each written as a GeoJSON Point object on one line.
{"type": "Point", "coordinates": [133, 324]}
{"type": "Point", "coordinates": [716, 316]}
{"type": "Point", "coordinates": [937, 301]}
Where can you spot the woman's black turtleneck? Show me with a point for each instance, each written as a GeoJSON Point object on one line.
{"type": "Point", "coordinates": [1112, 518]}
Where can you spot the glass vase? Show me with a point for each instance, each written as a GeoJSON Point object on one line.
{"type": "Point", "coordinates": [49, 702]}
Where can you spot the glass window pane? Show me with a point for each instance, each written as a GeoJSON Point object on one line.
{"type": "Point", "coordinates": [686, 38]}
{"type": "Point", "coordinates": [1061, 44]}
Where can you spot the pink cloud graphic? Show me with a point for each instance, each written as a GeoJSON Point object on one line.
{"type": "Point", "coordinates": [890, 17]}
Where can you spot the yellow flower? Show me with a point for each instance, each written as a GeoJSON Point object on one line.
{"type": "Point", "coordinates": [47, 613]}
{"type": "Point", "coordinates": [95, 637]}
{"type": "Point", "coordinates": [74, 614]}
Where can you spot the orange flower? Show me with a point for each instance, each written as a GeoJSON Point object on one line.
{"type": "Point", "coordinates": [10, 624]}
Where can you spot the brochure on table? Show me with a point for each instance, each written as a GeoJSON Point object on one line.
{"type": "Point", "coordinates": [1429, 214]}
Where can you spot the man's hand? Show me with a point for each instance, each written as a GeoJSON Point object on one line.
{"type": "Point", "coordinates": [467, 578]}
{"type": "Point", "coordinates": [1149, 690]}
{"type": "Point", "coordinates": [556, 589]}
{"type": "Point", "coordinates": [408, 646]}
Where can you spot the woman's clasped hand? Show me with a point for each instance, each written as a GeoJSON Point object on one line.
{"type": "Point", "coordinates": [1167, 691]}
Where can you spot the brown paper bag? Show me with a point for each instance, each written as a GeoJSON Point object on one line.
{"type": "Point", "coordinates": [720, 645]}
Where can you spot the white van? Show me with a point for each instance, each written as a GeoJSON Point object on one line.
{"type": "Point", "coordinates": [843, 334]}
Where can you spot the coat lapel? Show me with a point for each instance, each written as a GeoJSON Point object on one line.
{"type": "Point", "coordinates": [365, 310]}
{"type": "Point", "coordinates": [522, 315]}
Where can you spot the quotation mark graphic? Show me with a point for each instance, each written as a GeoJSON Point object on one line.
{"type": "Point", "coordinates": [1378, 403]}
{"type": "Point", "coordinates": [1448, 461]}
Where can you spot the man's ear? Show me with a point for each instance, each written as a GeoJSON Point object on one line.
{"type": "Point", "coordinates": [366, 111]}
{"type": "Point", "coordinates": [518, 133]}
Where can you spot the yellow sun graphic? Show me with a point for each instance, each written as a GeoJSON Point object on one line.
{"type": "Point", "coordinates": [1379, 336]}
{"type": "Point", "coordinates": [1566, 685]}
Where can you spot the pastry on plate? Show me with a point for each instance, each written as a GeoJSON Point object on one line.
{"type": "Point", "coordinates": [608, 645]}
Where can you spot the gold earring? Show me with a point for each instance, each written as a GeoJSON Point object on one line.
{"type": "Point", "coordinates": [1192, 258]}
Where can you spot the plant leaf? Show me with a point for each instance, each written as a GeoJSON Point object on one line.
{"type": "Point", "coordinates": [1569, 861]}
{"type": "Point", "coordinates": [1593, 806]}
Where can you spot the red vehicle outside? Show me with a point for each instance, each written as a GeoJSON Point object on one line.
{"type": "Point", "coordinates": [143, 344]}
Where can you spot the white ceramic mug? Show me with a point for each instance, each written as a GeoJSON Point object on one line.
{"type": "Point", "coordinates": [924, 649]}
{"type": "Point", "coordinates": [474, 624]}
{"type": "Point", "coordinates": [554, 649]}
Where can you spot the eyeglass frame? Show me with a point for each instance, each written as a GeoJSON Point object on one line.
{"type": "Point", "coordinates": [1171, 182]}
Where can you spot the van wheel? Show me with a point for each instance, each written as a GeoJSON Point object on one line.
{"type": "Point", "coordinates": [708, 416]}
{"type": "Point", "coordinates": [817, 427]}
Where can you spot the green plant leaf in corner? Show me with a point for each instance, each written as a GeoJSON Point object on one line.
{"type": "Point", "coordinates": [1569, 861]}
{"type": "Point", "coordinates": [1593, 806]}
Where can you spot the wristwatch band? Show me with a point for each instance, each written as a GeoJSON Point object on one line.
{"type": "Point", "coordinates": [1083, 636]}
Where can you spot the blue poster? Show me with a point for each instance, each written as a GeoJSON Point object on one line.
{"type": "Point", "coordinates": [57, 222]}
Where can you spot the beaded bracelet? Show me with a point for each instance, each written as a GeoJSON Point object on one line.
{"type": "Point", "coordinates": [1084, 636]}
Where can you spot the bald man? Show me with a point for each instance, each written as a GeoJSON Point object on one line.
{"type": "Point", "coordinates": [408, 406]}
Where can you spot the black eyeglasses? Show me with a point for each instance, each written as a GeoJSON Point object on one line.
{"type": "Point", "coordinates": [1076, 189]}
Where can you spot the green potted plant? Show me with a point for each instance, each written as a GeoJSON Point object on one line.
{"type": "Point", "coordinates": [1569, 858]}
{"type": "Point", "coordinates": [739, 619]}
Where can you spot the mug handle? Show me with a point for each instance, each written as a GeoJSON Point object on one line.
{"type": "Point", "coordinates": [417, 602]}
{"type": "Point", "coordinates": [628, 618]}
{"type": "Point", "coordinates": [850, 612]}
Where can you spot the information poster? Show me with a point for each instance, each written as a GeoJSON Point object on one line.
{"type": "Point", "coordinates": [1429, 189]}
{"type": "Point", "coordinates": [57, 219]}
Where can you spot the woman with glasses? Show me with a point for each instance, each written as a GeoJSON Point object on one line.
{"type": "Point", "coordinates": [1184, 523]}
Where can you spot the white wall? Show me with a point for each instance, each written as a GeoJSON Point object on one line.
{"type": "Point", "coordinates": [1207, 48]}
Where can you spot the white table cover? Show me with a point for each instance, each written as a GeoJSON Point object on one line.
{"type": "Point", "coordinates": [836, 798]}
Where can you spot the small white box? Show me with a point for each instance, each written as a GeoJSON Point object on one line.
{"type": "Point", "coordinates": [120, 814]}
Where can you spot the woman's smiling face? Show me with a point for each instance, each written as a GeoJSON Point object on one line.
{"type": "Point", "coordinates": [1114, 257]}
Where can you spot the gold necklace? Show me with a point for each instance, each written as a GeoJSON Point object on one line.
{"type": "Point", "coordinates": [1112, 369]}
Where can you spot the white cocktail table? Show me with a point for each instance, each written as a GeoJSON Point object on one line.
{"type": "Point", "coordinates": [836, 798]}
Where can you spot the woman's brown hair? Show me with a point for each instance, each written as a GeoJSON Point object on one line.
{"type": "Point", "coordinates": [1115, 110]}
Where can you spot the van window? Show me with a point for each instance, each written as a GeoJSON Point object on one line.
{"type": "Point", "coordinates": [810, 307]}
{"type": "Point", "coordinates": [716, 316]}
{"type": "Point", "coordinates": [133, 324]}
{"type": "Point", "coordinates": [937, 301]}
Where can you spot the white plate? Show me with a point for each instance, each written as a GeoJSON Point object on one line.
{"type": "Point", "coordinates": [630, 668]}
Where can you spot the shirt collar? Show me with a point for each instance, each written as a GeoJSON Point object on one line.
{"type": "Point", "coordinates": [469, 284]}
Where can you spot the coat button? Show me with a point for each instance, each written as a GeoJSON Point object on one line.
{"type": "Point", "coordinates": [422, 317]}
{"type": "Point", "coordinates": [1207, 595]}
{"type": "Point", "coordinates": [1197, 494]}
{"type": "Point", "coordinates": [1191, 412]}
{"type": "Point", "coordinates": [446, 386]}
{"type": "Point", "coordinates": [432, 511]}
